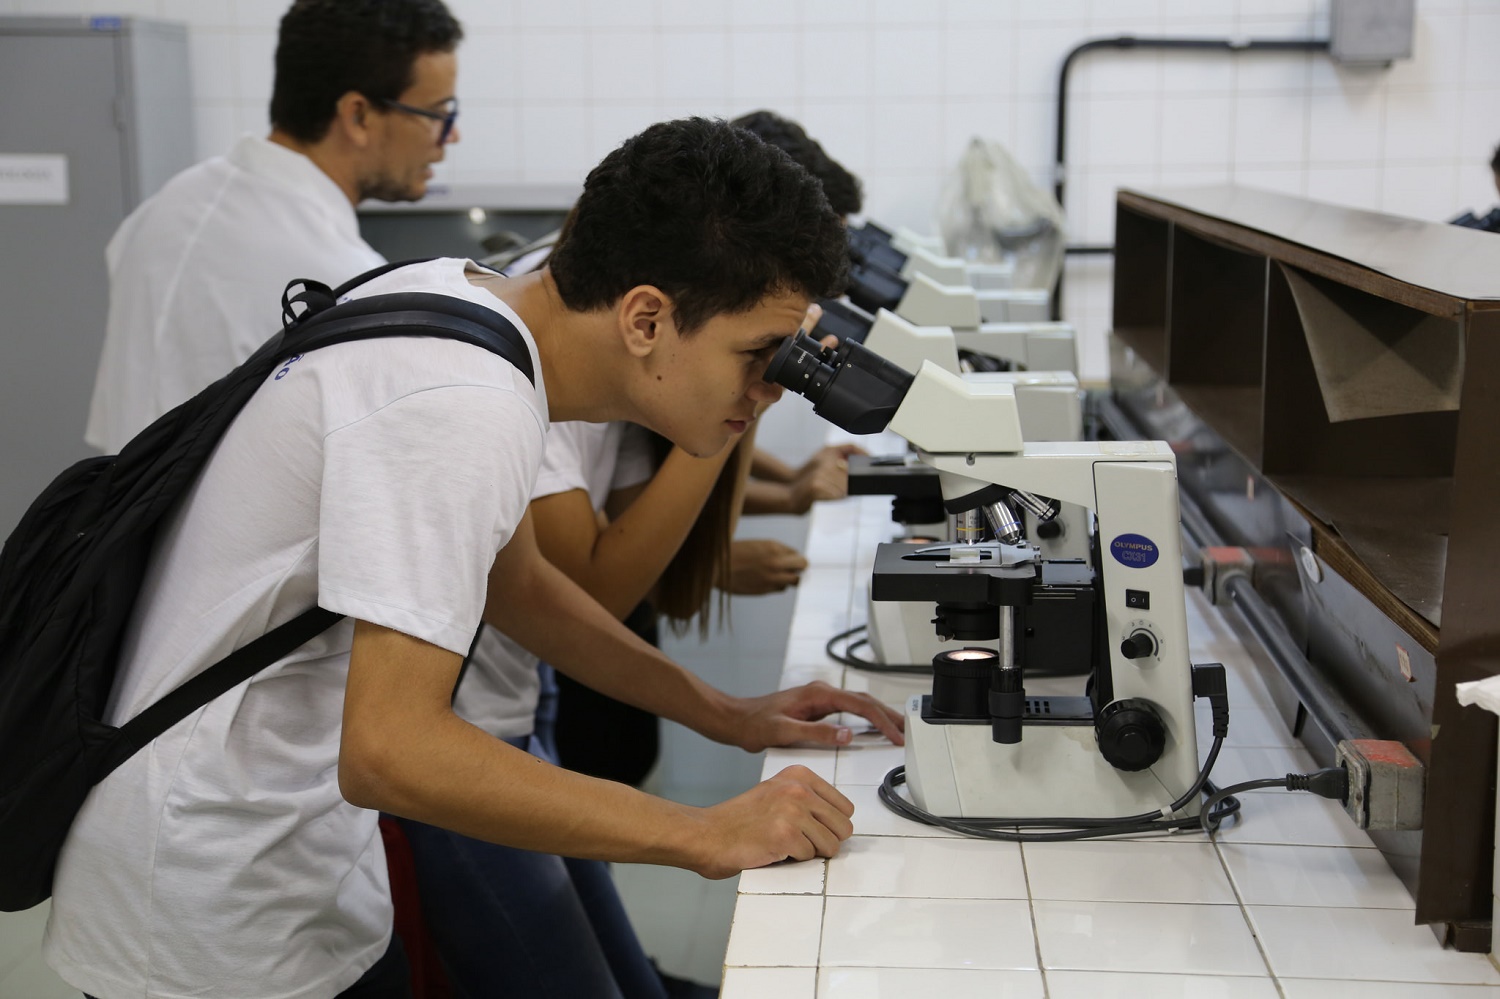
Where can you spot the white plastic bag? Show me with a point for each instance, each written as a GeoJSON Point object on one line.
{"type": "Point", "coordinates": [991, 211]}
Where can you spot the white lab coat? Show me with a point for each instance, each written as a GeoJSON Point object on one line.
{"type": "Point", "coordinates": [197, 271]}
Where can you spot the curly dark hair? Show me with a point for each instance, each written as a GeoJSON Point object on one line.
{"type": "Point", "coordinates": [841, 186]}
{"type": "Point", "coordinates": [1495, 160]}
{"type": "Point", "coordinates": [706, 212]}
{"type": "Point", "coordinates": [327, 48]}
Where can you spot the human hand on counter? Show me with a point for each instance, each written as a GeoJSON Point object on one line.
{"type": "Point", "coordinates": [760, 565]}
{"type": "Point", "coordinates": [795, 716]}
{"type": "Point", "coordinates": [794, 815]}
{"type": "Point", "coordinates": [825, 476]}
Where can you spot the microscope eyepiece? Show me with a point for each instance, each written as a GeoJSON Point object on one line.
{"type": "Point", "coordinates": [803, 365]}
{"type": "Point", "coordinates": [849, 386]}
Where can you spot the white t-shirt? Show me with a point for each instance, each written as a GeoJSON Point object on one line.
{"type": "Point", "coordinates": [196, 275]}
{"type": "Point", "coordinates": [377, 479]}
{"type": "Point", "coordinates": [499, 689]}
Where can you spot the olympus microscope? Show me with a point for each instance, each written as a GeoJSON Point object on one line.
{"type": "Point", "coordinates": [899, 633]}
{"type": "Point", "coordinates": [978, 746]}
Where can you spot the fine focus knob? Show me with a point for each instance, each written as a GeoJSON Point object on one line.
{"type": "Point", "coordinates": [1138, 646]}
{"type": "Point", "coordinates": [1131, 734]}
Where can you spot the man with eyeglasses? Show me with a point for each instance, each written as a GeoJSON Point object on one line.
{"type": "Point", "coordinates": [363, 105]}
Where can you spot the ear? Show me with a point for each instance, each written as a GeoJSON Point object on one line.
{"type": "Point", "coordinates": [644, 316]}
{"type": "Point", "coordinates": [356, 118]}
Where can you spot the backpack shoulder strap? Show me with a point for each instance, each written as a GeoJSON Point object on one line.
{"type": "Point", "coordinates": [412, 314]}
{"type": "Point", "coordinates": [315, 296]}
{"type": "Point", "coordinates": [375, 272]}
{"type": "Point", "coordinates": [196, 691]}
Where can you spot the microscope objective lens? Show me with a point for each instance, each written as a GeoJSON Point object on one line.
{"type": "Point", "coordinates": [968, 527]}
{"type": "Point", "coordinates": [1003, 521]}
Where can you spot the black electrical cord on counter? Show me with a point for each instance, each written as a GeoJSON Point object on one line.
{"type": "Point", "coordinates": [1012, 829]}
{"type": "Point", "coordinates": [848, 658]}
{"type": "Point", "coordinates": [1330, 782]}
{"type": "Point", "coordinates": [1221, 804]}
{"type": "Point", "coordinates": [1210, 682]}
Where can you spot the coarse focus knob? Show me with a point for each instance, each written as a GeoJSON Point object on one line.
{"type": "Point", "coordinates": [1139, 645]}
{"type": "Point", "coordinates": [1131, 734]}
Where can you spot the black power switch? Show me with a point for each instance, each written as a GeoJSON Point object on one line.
{"type": "Point", "coordinates": [1139, 599]}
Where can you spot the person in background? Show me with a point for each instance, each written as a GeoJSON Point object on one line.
{"type": "Point", "coordinates": [388, 480]}
{"type": "Point", "coordinates": [844, 191]}
{"type": "Point", "coordinates": [1489, 222]}
{"type": "Point", "coordinates": [362, 106]}
{"type": "Point", "coordinates": [773, 485]}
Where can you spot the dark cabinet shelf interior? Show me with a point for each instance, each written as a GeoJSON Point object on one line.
{"type": "Point", "coordinates": [1352, 359]}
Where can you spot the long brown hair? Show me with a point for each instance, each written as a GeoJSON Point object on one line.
{"type": "Point", "coordinates": [686, 587]}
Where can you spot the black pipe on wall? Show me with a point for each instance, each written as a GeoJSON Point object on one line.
{"type": "Point", "coordinates": [1130, 42]}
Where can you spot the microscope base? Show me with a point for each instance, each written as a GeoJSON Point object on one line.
{"type": "Point", "coordinates": [955, 769]}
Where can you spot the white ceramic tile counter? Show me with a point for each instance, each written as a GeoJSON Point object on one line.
{"type": "Point", "coordinates": [1291, 902]}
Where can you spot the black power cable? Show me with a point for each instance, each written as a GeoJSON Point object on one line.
{"type": "Point", "coordinates": [1330, 782]}
{"type": "Point", "coordinates": [848, 658]}
{"type": "Point", "coordinates": [1011, 829]}
{"type": "Point", "coordinates": [1220, 805]}
{"type": "Point", "coordinates": [1210, 681]}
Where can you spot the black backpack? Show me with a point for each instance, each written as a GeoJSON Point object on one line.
{"type": "Point", "coordinates": [70, 571]}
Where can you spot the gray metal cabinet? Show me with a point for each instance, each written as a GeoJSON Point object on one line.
{"type": "Point", "coordinates": [111, 95]}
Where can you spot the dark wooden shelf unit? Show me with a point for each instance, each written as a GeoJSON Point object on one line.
{"type": "Point", "coordinates": [1353, 360]}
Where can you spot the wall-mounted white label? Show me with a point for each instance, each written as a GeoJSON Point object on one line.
{"type": "Point", "coordinates": [40, 179]}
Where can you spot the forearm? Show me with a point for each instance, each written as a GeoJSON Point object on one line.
{"type": "Point", "coordinates": [551, 616]}
{"type": "Point", "coordinates": [762, 497]}
{"type": "Point", "coordinates": [404, 751]}
{"type": "Point", "coordinates": [766, 466]}
{"type": "Point", "coordinates": [630, 555]}
{"type": "Point", "coordinates": [460, 778]}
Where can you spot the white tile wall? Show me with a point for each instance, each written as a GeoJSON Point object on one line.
{"type": "Point", "coordinates": [896, 88]}
{"type": "Point", "coordinates": [899, 65]}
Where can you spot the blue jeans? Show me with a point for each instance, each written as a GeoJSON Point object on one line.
{"type": "Point", "coordinates": [513, 922]}
{"type": "Point", "coordinates": [388, 978]}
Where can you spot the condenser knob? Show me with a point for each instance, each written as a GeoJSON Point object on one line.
{"type": "Point", "coordinates": [1138, 646]}
{"type": "Point", "coordinates": [1131, 734]}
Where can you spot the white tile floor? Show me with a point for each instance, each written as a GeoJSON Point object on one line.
{"type": "Point", "coordinates": [1291, 902]}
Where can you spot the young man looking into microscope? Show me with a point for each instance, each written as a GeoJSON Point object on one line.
{"type": "Point", "coordinates": [387, 480]}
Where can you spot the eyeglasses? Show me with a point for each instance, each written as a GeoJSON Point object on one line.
{"type": "Point", "coordinates": [447, 116]}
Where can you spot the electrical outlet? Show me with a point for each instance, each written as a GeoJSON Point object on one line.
{"type": "Point", "coordinates": [1386, 784]}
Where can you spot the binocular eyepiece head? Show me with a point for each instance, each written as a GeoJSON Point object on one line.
{"type": "Point", "coordinates": [849, 385]}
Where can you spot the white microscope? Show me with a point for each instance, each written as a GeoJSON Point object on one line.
{"type": "Point", "coordinates": [978, 746]}
{"type": "Point", "coordinates": [906, 252]}
{"type": "Point", "coordinates": [1049, 407]}
{"type": "Point", "coordinates": [936, 291]}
